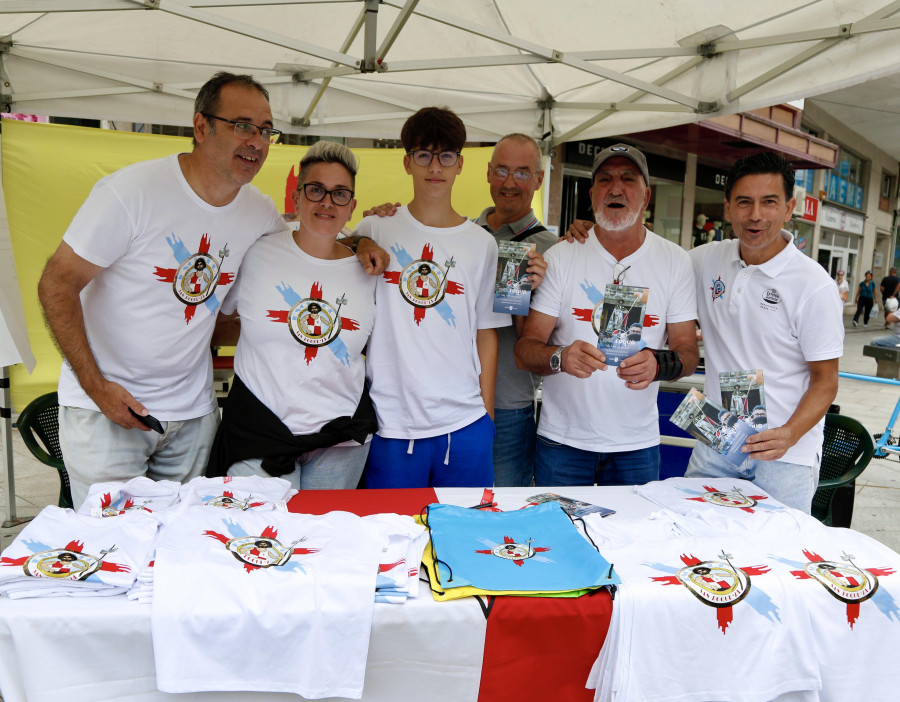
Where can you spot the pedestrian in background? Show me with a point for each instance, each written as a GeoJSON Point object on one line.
{"type": "Point", "coordinates": [865, 298]}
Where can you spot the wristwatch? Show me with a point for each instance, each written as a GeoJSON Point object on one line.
{"type": "Point", "coordinates": [556, 359]}
{"type": "Point", "coordinates": [354, 247]}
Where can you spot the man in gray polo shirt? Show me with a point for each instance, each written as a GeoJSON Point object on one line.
{"type": "Point", "coordinates": [514, 174]}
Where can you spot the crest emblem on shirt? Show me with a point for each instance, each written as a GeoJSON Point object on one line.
{"type": "Point", "coordinates": [848, 583]}
{"type": "Point", "coordinates": [314, 322]}
{"type": "Point", "coordinates": [718, 583]}
{"type": "Point", "coordinates": [844, 581]}
{"type": "Point", "coordinates": [718, 288]}
{"type": "Point", "coordinates": [729, 498]}
{"type": "Point", "coordinates": [260, 551]}
{"type": "Point", "coordinates": [195, 279]}
{"type": "Point", "coordinates": [69, 563]}
{"type": "Point", "coordinates": [227, 500]}
{"type": "Point", "coordinates": [125, 503]}
{"type": "Point", "coordinates": [423, 283]}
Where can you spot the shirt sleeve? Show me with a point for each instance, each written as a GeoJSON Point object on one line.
{"type": "Point", "coordinates": [682, 305]}
{"type": "Point", "coordinates": [548, 297]}
{"type": "Point", "coordinates": [820, 326]}
{"type": "Point", "coordinates": [101, 230]}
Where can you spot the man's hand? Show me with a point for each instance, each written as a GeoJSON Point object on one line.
{"type": "Point", "coordinates": [114, 401]}
{"type": "Point", "coordinates": [537, 266]}
{"type": "Point", "coordinates": [385, 210]}
{"type": "Point", "coordinates": [771, 444]}
{"type": "Point", "coordinates": [639, 370]}
{"type": "Point", "coordinates": [373, 258]}
{"type": "Point", "coordinates": [581, 359]}
{"type": "Point", "coordinates": [579, 231]}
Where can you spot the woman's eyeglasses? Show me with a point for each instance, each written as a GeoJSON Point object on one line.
{"type": "Point", "coordinates": [316, 193]}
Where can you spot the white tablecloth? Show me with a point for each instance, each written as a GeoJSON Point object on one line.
{"type": "Point", "coordinates": [92, 649]}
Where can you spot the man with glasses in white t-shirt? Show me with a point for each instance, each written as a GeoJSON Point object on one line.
{"type": "Point", "coordinates": [599, 424]}
{"type": "Point", "coordinates": [132, 293]}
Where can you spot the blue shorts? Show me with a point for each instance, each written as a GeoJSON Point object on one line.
{"type": "Point", "coordinates": [463, 458]}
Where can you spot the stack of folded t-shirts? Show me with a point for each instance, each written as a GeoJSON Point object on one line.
{"type": "Point", "coordinates": [265, 601]}
{"type": "Point", "coordinates": [239, 493]}
{"type": "Point", "coordinates": [64, 553]}
{"type": "Point", "coordinates": [157, 497]}
{"type": "Point", "coordinates": [257, 494]}
{"type": "Point", "coordinates": [741, 499]}
{"type": "Point", "coordinates": [532, 551]}
{"type": "Point", "coordinates": [398, 572]}
{"type": "Point", "coordinates": [698, 582]}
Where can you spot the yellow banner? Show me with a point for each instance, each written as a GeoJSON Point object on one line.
{"type": "Point", "coordinates": [49, 170]}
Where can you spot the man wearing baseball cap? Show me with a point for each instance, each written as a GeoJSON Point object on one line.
{"type": "Point", "coordinates": [599, 423]}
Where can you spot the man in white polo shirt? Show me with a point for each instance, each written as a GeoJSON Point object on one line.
{"type": "Point", "coordinates": [764, 305]}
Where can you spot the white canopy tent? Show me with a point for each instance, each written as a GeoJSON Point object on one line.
{"type": "Point", "coordinates": [559, 70]}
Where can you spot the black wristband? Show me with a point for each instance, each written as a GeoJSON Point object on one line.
{"type": "Point", "coordinates": [354, 247]}
{"type": "Point", "coordinates": [668, 365]}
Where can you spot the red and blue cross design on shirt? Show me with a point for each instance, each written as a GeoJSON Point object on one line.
{"type": "Point", "coordinates": [423, 283]}
{"type": "Point", "coordinates": [315, 322]}
{"type": "Point", "coordinates": [195, 280]}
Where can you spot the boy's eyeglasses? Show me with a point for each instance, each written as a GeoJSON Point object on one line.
{"type": "Point", "coordinates": [248, 130]}
{"type": "Point", "coordinates": [522, 177]}
{"type": "Point", "coordinates": [316, 193]}
{"type": "Point", "coordinates": [423, 158]}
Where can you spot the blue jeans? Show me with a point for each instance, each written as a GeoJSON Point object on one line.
{"type": "Point", "coordinates": [789, 483]}
{"type": "Point", "coordinates": [97, 450]}
{"type": "Point", "coordinates": [331, 468]}
{"type": "Point", "coordinates": [463, 458]}
{"type": "Point", "coordinates": [558, 464]}
{"type": "Point", "coordinates": [514, 447]}
{"type": "Point", "coordinates": [887, 341]}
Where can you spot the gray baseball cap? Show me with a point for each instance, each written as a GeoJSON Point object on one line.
{"type": "Point", "coordinates": [632, 153]}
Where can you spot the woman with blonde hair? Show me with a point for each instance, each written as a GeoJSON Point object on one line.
{"type": "Point", "coordinates": [298, 408]}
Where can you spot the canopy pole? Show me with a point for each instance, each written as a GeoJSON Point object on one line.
{"type": "Point", "coordinates": [6, 442]}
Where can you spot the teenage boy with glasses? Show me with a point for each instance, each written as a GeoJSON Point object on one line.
{"type": "Point", "coordinates": [432, 356]}
{"type": "Point", "coordinates": [599, 424]}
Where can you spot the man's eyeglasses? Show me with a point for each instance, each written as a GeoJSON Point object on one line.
{"type": "Point", "coordinates": [316, 193]}
{"type": "Point", "coordinates": [423, 158]}
{"type": "Point", "coordinates": [619, 273]}
{"type": "Point", "coordinates": [248, 130]}
{"type": "Point", "coordinates": [501, 173]}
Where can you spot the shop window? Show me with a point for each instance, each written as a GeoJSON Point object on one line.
{"type": "Point", "coordinates": [709, 217]}
{"type": "Point", "coordinates": [845, 181]}
{"type": "Point", "coordinates": [887, 190]}
{"type": "Point", "coordinates": [662, 216]}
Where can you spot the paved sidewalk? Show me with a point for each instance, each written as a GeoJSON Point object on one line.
{"type": "Point", "coordinates": [876, 512]}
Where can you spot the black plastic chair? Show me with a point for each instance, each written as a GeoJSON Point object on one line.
{"type": "Point", "coordinates": [39, 428]}
{"type": "Point", "coordinates": [846, 451]}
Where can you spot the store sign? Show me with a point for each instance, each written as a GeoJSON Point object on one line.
{"type": "Point", "coordinates": [841, 220]}
{"type": "Point", "coordinates": [711, 178]}
{"type": "Point", "coordinates": [810, 209]}
{"type": "Point", "coordinates": [582, 153]}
